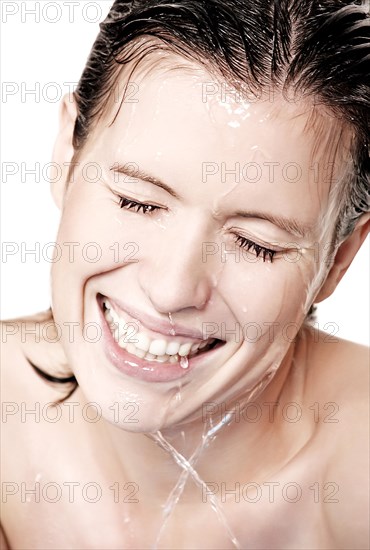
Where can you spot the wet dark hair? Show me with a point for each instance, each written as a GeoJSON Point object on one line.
{"type": "Point", "coordinates": [317, 50]}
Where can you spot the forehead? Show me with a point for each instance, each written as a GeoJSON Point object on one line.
{"type": "Point", "coordinates": [176, 118]}
{"type": "Point", "coordinates": [166, 90]}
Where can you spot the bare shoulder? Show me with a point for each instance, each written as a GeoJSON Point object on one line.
{"type": "Point", "coordinates": [341, 366]}
{"type": "Point", "coordinates": [24, 395]}
{"type": "Point", "coordinates": [3, 541]}
{"type": "Point", "coordinates": [340, 373]}
{"type": "Point", "coordinates": [25, 340]}
{"type": "Point", "coordinates": [14, 366]}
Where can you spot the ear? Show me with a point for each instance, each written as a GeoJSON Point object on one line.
{"type": "Point", "coordinates": [63, 149]}
{"type": "Point", "coordinates": [344, 256]}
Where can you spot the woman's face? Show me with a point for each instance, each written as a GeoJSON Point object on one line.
{"type": "Point", "coordinates": [216, 170]}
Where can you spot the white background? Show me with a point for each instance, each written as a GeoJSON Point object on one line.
{"type": "Point", "coordinates": [51, 46]}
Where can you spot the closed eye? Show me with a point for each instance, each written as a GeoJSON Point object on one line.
{"type": "Point", "coordinates": [129, 204]}
{"type": "Point", "coordinates": [243, 242]}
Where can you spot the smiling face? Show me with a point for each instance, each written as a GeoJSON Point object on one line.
{"type": "Point", "coordinates": [216, 253]}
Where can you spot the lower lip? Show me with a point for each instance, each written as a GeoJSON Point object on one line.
{"type": "Point", "coordinates": [150, 371]}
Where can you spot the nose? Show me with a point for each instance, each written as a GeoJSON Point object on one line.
{"type": "Point", "coordinates": [174, 275]}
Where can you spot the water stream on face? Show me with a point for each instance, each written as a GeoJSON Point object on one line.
{"type": "Point", "coordinates": [172, 331]}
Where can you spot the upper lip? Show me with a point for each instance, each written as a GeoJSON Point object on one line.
{"type": "Point", "coordinates": [157, 325]}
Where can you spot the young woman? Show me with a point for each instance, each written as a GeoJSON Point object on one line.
{"type": "Point", "coordinates": [215, 187]}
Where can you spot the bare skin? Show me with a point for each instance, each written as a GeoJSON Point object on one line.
{"type": "Point", "coordinates": [328, 464]}
{"type": "Point", "coordinates": [291, 479]}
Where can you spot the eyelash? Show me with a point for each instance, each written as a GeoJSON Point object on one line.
{"type": "Point", "coordinates": [243, 242]}
{"type": "Point", "coordinates": [123, 202]}
{"type": "Point", "coordinates": [258, 249]}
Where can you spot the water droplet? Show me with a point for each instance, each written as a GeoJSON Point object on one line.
{"type": "Point", "coordinates": [184, 362]}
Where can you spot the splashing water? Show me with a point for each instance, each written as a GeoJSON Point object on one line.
{"type": "Point", "coordinates": [177, 491]}
{"type": "Point", "coordinates": [187, 466]}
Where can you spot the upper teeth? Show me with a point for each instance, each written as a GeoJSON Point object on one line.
{"type": "Point", "coordinates": [139, 339]}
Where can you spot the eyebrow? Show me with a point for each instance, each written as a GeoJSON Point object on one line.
{"type": "Point", "coordinates": [292, 226]}
{"type": "Point", "coordinates": [134, 172]}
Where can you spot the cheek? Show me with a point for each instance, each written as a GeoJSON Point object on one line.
{"type": "Point", "coordinates": [262, 293]}
{"type": "Point", "coordinates": [94, 237]}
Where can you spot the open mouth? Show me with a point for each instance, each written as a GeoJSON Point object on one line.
{"type": "Point", "coordinates": [134, 345]}
{"type": "Point", "coordinates": [131, 336]}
